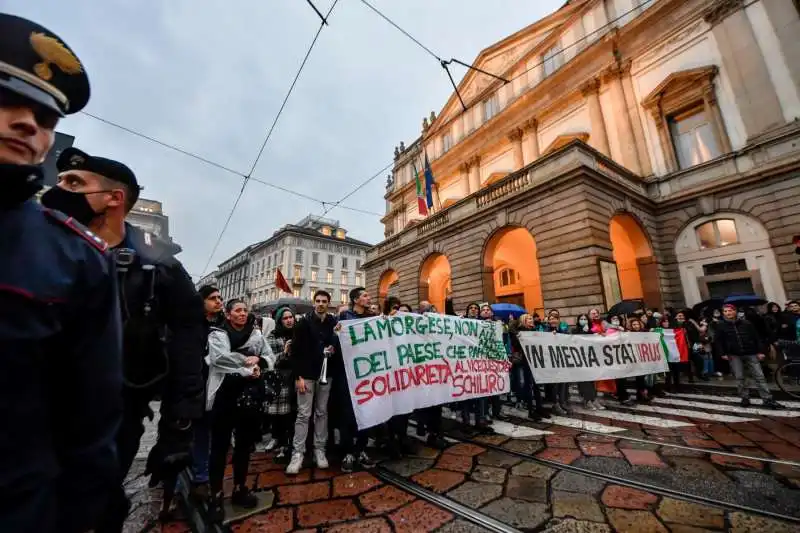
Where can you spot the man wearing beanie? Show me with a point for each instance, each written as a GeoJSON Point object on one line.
{"type": "Point", "coordinates": [738, 342]}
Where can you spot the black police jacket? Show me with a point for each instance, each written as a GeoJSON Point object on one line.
{"type": "Point", "coordinates": [163, 322]}
{"type": "Point", "coordinates": [60, 369]}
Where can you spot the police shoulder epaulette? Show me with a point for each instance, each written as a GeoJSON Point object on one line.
{"type": "Point", "coordinates": [78, 228]}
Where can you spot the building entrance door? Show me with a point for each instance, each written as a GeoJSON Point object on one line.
{"type": "Point", "coordinates": [518, 299]}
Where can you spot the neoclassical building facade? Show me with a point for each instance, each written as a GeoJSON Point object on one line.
{"type": "Point", "coordinates": [622, 149]}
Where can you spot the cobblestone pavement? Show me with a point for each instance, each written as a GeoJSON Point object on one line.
{"type": "Point", "coordinates": [533, 497]}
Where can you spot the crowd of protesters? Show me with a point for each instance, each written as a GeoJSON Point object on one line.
{"type": "Point", "coordinates": [282, 378]}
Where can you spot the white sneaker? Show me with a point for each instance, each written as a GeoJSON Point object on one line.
{"type": "Point", "coordinates": [589, 405]}
{"type": "Point", "coordinates": [599, 406]}
{"type": "Point", "coordinates": [320, 460]}
{"type": "Point", "coordinates": [270, 445]}
{"type": "Point", "coordinates": [295, 464]}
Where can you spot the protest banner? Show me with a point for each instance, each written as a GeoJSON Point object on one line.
{"type": "Point", "coordinates": [408, 361]}
{"type": "Point", "coordinates": [557, 358]}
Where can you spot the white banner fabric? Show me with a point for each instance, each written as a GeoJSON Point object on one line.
{"type": "Point", "coordinates": [408, 361]}
{"type": "Point", "coordinates": [557, 358]}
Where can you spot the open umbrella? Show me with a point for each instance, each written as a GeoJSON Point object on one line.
{"type": "Point", "coordinates": [745, 299]}
{"type": "Point", "coordinates": [707, 305]}
{"type": "Point", "coordinates": [503, 311]}
{"type": "Point", "coordinates": [626, 307]}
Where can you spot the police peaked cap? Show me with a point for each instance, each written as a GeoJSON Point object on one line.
{"type": "Point", "coordinates": [73, 159]}
{"type": "Point", "coordinates": [37, 65]}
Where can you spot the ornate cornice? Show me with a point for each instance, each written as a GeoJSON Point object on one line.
{"type": "Point", "coordinates": [720, 10]}
{"type": "Point", "coordinates": [617, 70]}
{"type": "Point", "coordinates": [590, 87]}
{"type": "Point", "coordinates": [515, 135]}
{"type": "Point", "coordinates": [530, 125]}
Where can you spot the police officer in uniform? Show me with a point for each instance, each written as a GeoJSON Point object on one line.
{"type": "Point", "coordinates": [162, 315]}
{"type": "Point", "coordinates": [60, 337]}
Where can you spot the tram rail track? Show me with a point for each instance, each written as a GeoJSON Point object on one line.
{"type": "Point", "coordinates": [710, 451]}
{"type": "Point", "coordinates": [629, 483]}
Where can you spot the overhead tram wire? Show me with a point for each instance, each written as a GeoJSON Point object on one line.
{"type": "Point", "coordinates": [269, 135]}
{"type": "Point", "coordinates": [468, 107]}
{"type": "Point", "coordinates": [218, 165]}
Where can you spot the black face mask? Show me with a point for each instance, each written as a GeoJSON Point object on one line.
{"type": "Point", "coordinates": [73, 204]}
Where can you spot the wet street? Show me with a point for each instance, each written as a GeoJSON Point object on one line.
{"type": "Point", "coordinates": [690, 462]}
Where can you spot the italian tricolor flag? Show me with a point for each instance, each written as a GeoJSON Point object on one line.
{"type": "Point", "coordinates": [675, 344]}
{"type": "Point", "coordinates": [421, 202]}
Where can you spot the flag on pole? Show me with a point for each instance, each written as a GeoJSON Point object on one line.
{"type": "Point", "coordinates": [422, 204]}
{"type": "Point", "coordinates": [428, 182]}
{"type": "Point", "coordinates": [281, 282]}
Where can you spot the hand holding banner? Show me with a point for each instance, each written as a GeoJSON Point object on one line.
{"type": "Point", "coordinates": [408, 361]}
{"type": "Point", "coordinates": [557, 358]}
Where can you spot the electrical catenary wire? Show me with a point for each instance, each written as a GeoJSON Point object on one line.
{"type": "Point", "coordinates": [468, 107]}
{"type": "Point", "coordinates": [267, 138]}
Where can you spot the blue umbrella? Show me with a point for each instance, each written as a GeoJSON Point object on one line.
{"type": "Point", "coordinates": [745, 299]}
{"type": "Point", "coordinates": [504, 311]}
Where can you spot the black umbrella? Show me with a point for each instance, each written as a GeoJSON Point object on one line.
{"type": "Point", "coordinates": [707, 305]}
{"type": "Point", "coordinates": [626, 307]}
{"type": "Point", "coordinates": [747, 300]}
{"type": "Point", "coordinates": [298, 305]}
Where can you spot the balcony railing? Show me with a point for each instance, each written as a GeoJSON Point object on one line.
{"type": "Point", "coordinates": [298, 281]}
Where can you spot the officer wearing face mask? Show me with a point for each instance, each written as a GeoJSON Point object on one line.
{"type": "Point", "coordinates": [60, 336]}
{"type": "Point", "coordinates": [162, 316]}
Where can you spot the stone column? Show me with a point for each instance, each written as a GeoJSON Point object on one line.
{"type": "Point", "coordinates": [636, 121]}
{"type": "Point", "coordinates": [532, 129]}
{"type": "Point", "coordinates": [464, 168]}
{"type": "Point", "coordinates": [598, 137]}
{"type": "Point", "coordinates": [474, 174]}
{"type": "Point", "coordinates": [651, 281]}
{"type": "Point", "coordinates": [627, 142]}
{"type": "Point", "coordinates": [785, 19]}
{"type": "Point", "coordinates": [744, 63]}
{"type": "Point", "coordinates": [715, 116]}
{"type": "Point", "coordinates": [515, 136]}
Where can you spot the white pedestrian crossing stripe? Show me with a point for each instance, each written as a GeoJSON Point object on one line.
{"type": "Point", "coordinates": [692, 414]}
{"type": "Point", "coordinates": [504, 428]}
{"type": "Point", "coordinates": [728, 399]}
{"type": "Point", "coordinates": [630, 417]}
{"type": "Point", "coordinates": [727, 408]}
{"type": "Point", "coordinates": [571, 422]}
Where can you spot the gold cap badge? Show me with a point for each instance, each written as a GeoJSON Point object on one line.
{"type": "Point", "coordinates": [53, 52]}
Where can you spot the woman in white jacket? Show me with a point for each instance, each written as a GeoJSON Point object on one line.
{"type": "Point", "coordinates": [237, 355]}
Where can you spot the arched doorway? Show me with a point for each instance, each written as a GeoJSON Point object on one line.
{"type": "Point", "coordinates": [636, 266]}
{"type": "Point", "coordinates": [434, 280]}
{"type": "Point", "coordinates": [386, 285]}
{"type": "Point", "coordinates": [727, 253]}
{"type": "Point", "coordinates": [511, 269]}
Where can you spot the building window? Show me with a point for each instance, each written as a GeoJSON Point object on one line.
{"type": "Point", "coordinates": [315, 258]}
{"type": "Point", "coordinates": [314, 274]}
{"type": "Point", "coordinates": [344, 278]}
{"type": "Point", "coordinates": [688, 119]}
{"type": "Point", "coordinates": [717, 233]}
{"type": "Point", "coordinates": [344, 262]}
{"type": "Point", "coordinates": [297, 272]}
{"type": "Point", "coordinates": [447, 141]}
{"type": "Point", "coordinates": [329, 277]}
{"type": "Point", "coordinates": [508, 277]}
{"type": "Point", "coordinates": [358, 264]}
{"type": "Point", "coordinates": [280, 256]}
{"type": "Point", "coordinates": [330, 261]}
{"type": "Point", "coordinates": [343, 297]}
{"type": "Point", "coordinates": [553, 59]}
{"type": "Point", "coordinates": [296, 293]}
{"type": "Point", "coordinates": [326, 230]}
{"type": "Point", "coordinates": [298, 256]}
{"type": "Point", "coordinates": [359, 279]}
{"type": "Point", "coordinates": [491, 106]}
{"type": "Point", "coordinates": [693, 137]}
{"type": "Point", "coordinates": [340, 234]}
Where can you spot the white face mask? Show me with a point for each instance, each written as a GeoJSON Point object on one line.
{"type": "Point", "coordinates": [583, 322]}
{"type": "Point", "coordinates": [614, 322]}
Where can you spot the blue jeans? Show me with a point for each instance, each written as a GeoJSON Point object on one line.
{"type": "Point", "coordinates": [201, 448]}
{"type": "Point", "coordinates": [708, 364]}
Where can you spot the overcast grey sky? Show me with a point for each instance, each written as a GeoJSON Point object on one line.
{"type": "Point", "coordinates": [209, 77]}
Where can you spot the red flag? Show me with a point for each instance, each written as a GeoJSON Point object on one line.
{"type": "Point", "coordinates": [281, 283]}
